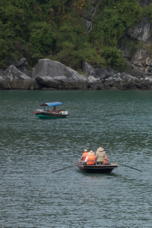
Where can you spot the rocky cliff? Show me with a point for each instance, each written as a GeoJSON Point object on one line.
{"type": "Point", "coordinates": [135, 44]}
{"type": "Point", "coordinates": [139, 56]}
{"type": "Point", "coordinates": [49, 74]}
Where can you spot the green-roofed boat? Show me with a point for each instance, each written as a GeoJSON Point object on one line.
{"type": "Point", "coordinates": [49, 111]}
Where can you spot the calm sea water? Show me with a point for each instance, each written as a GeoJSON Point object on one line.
{"type": "Point", "coordinates": [33, 196]}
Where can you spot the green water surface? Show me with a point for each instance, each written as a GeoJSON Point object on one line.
{"type": "Point", "coordinates": [32, 195]}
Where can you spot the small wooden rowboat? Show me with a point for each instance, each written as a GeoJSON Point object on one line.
{"type": "Point", "coordinates": [96, 168]}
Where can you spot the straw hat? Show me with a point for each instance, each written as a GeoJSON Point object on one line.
{"type": "Point", "coordinates": [100, 149]}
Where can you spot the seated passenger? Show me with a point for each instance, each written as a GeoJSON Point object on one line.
{"type": "Point", "coordinates": [84, 155]}
{"type": "Point", "coordinates": [54, 109]}
{"type": "Point", "coordinates": [100, 154]}
{"type": "Point", "coordinates": [91, 158]}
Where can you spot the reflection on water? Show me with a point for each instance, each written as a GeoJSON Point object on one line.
{"type": "Point", "coordinates": [32, 195]}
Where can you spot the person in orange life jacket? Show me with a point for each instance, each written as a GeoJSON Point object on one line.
{"type": "Point", "coordinates": [84, 155]}
{"type": "Point", "coordinates": [91, 158]}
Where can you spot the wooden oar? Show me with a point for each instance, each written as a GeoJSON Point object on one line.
{"type": "Point", "coordinates": [139, 170]}
{"type": "Point", "coordinates": [70, 166]}
{"type": "Point", "coordinates": [57, 170]}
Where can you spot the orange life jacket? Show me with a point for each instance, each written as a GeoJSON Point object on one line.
{"type": "Point", "coordinates": [84, 155]}
{"type": "Point", "coordinates": [91, 159]}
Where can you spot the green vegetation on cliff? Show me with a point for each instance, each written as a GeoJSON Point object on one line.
{"type": "Point", "coordinates": [58, 29]}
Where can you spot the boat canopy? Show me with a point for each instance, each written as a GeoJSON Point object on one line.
{"type": "Point", "coordinates": [52, 104]}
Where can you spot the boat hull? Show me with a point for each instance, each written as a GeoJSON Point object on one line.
{"type": "Point", "coordinates": [96, 168]}
{"type": "Point", "coordinates": [50, 116]}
